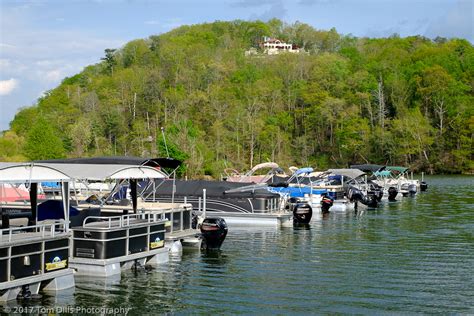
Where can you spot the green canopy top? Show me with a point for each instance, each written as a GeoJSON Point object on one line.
{"type": "Point", "coordinates": [399, 169]}
{"type": "Point", "coordinates": [382, 173]}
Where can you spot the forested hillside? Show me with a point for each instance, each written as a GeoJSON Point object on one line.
{"type": "Point", "coordinates": [402, 101]}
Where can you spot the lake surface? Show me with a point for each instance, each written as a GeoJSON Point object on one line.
{"type": "Point", "coordinates": [411, 256]}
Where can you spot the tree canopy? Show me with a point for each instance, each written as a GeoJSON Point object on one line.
{"type": "Point", "coordinates": [345, 100]}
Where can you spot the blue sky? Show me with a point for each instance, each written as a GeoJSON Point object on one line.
{"type": "Point", "coordinates": [43, 41]}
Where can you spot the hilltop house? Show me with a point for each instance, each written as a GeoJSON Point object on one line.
{"type": "Point", "coordinates": [273, 46]}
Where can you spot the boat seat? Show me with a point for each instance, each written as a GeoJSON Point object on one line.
{"type": "Point", "coordinates": [78, 220]}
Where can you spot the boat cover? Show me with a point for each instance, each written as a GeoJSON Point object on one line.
{"type": "Point", "coordinates": [297, 191]}
{"type": "Point", "coordinates": [213, 189]}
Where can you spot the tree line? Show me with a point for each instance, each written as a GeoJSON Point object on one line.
{"type": "Point", "coordinates": [398, 101]}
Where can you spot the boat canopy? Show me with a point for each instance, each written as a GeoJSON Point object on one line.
{"type": "Point", "coordinates": [120, 160]}
{"type": "Point", "coordinates": [368, 167]}
{"type": "Point", "coordinates": [103, 172]}
{"type": "Point", "coordinates": [383, 173]}
{"type": "Point", "coordinates": [398, 169]}
{"type": "Point", "coordinates": [303, 171]}
{"type": "Point", "coordinates": [270, 165]}
{"type": "Point", "coordinates": [30, 172]}
{"type": "Point", "coordinates": [350, 173]}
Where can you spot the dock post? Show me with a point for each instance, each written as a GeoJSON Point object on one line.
{"type": "Point", "coordinates": [204, 202]}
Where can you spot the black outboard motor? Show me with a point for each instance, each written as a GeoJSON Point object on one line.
{"type": "Point", "coordinates": [412, 189]}
{"type": "Point", "coordinates": [392, 193]}
{"type": "Point", "coordinates": [213, 232]}
{"type": "Point", "coordinates": [376, 190]}
{"type": "Point", "coordinates": [374, 202]}
{"type": "Point", "coordinates": [423, 186]}
{"type": "Point", "coordinates": [194, 221]}
{"type": "Point", "coordinates": [355, 194]}
{"type": "Point", "coordinates": [370, 200]}
{"type": "Point", "coordinates": [404, 189]}
{"type": "Point", "coordinates": [326, 203]}
{"type": "Point", "coordinates": [378, 194]}
{"type": "Point", "coordinates": [302, 211]}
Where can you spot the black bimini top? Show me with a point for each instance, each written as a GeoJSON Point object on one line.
{"type": "Point", "coordinates": [368, 167]}
{"type": "Point", "coordinates": [120, 160]}
{"type": "Point", "coordinates": [213, 189]}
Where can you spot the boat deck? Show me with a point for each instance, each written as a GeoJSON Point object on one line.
{"type": "Point", "coordinates": [181, 234]}
{"type": "Point", "coordinates": [141, 206]}
{"type": "Point", "coordinates": [28, 234]}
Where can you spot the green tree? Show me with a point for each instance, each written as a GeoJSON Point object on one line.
{"type": "Point", "coordinates": [42, 142]}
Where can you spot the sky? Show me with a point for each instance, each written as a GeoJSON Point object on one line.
{"type": "Point", "coordinates": [44, 41]}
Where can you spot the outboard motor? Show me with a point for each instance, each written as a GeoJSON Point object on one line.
{"type": "Point", "coordinates": [404, 189]}
{"type": "Point", "coordinates": [213, 232]}
{"type": "Point", "coordinates": [378, 194]}
{"type": "Point", "coordinates": [194, 221]}
{"type": "Point", "coordinates": [370, 200]}
{"type": "Point", "coordinates": [392, 193]}
{"type": "Point", "coordinates": [423, 186]}
{"type": "Point", "coordinates": [355, 194]}
{"type": "Point", "coordinates": [302, 211]}
{"type": "Point", "coordinates": [326, 203]}
{"type": "Point", "coordinates": [412, 189]}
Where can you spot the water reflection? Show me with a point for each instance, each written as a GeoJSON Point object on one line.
{"type": "Point", "coordinates": [415, 255]}
{"type": "Point", "coordinates": [43, 304]}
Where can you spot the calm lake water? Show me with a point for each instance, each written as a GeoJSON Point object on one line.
{"type": "Point", "coordinates": [411, 256]}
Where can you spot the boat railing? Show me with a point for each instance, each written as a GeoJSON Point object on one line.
{"type": "Point", "coordinates": [50, 229]}
{"type": "Point", "coordinates": [121, 221]}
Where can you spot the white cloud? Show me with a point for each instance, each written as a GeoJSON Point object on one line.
{"type": "Point", "coordinates": [152, 22]}
{"type": "Point", "coordinates": [7, 86]}
{"type": "Point", "coordinates": [54, 75]}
